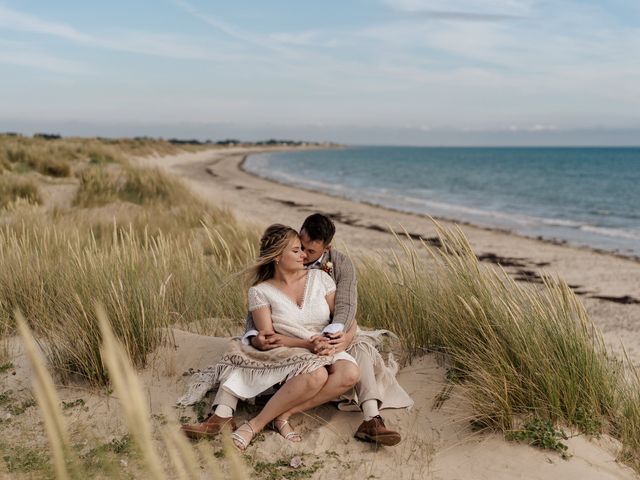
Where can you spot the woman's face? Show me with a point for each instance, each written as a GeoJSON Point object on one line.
{"type": "Point", "coordinates": [293, 257]}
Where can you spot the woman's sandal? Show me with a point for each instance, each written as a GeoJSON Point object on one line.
{"type": "Point", "coordinates": [280, 425]}
{"type": "Point", "coordinates": [239, 441]}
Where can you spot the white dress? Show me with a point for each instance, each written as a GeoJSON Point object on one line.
{"type": "Point", "coordinates": [288, 319]}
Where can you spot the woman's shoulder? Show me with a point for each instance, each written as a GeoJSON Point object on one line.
{"type": "Point", "coordinates": [323, 278]}
{"type": "Point", "coordinates": [262, 288]}
{"type": "Point", "coordinates": [258, 296]}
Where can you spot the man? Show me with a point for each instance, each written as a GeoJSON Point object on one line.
{"type": "Point", "coordinates": [316, 235]}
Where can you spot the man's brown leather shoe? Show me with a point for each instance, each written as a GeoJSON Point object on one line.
{"type": "Point", "coordinates": [374, 431]}
{"type": "Point", "coordinates": [210, 427]}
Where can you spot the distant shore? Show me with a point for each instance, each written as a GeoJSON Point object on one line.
{"type": "Point", "coordinates": [607, 283]}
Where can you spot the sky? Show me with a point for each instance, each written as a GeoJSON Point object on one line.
{"type": "Point", "coordinates": [415, 72]}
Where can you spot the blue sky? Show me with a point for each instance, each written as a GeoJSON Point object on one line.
{"type": "Point", "coordinates": [379, 71]}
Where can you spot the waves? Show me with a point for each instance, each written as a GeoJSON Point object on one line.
{"type": "Point", "coordinates": [528, 191]}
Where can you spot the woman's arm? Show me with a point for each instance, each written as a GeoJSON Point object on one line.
{"type": "Point", "coordinates": [264, 325]}
{"type": "Point", "coordinates": [262, 320]}
{"type": "Point", "coordinates": [331, 301]}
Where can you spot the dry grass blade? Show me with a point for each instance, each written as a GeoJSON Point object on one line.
{"type": "Point", "coordinates": [48, 401]}
{"type": "Point", "coordinates": [127, 387]}
{"type": "Point", "coordinates": [181, 454]}
{"type": "Point", "coordinates": [237, 467]}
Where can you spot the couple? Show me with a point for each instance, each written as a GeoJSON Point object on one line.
{"type": "Point", "coordinates": [303, 298]}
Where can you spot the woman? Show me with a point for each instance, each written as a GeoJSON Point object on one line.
{"type": "Point", "coordinates": [296, 304]}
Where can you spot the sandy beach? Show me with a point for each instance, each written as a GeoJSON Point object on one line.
{"type": "Point", "coordinates": [437, 443]}
{"type": "Point", "coordinates": [218, 176]}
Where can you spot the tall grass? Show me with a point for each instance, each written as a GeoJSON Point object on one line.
{"type": "Point", "coordinates": [146, 283]}
{"type": "Point", "coordinates": [100, 185]}
{"type": "Point", "coordinates": [521, 350]}
{"type": "Point", "coordinates": [167, 456]}
{"type": "Point", "coordinates": [58, 157]}
{"type": "Point", "coordinates": [13, 188]}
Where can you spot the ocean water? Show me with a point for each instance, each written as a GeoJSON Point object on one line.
{"type": "Point", "coordinates": [584, 196]}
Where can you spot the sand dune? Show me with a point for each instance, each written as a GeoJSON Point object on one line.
{"type": "Point", "coordinates": [437, 443]}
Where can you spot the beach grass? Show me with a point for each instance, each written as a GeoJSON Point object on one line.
{"type": "Point", "coordinates": [53, 270]}
{"type": "Point", "coordinates": [55, 156]}
{"type": "Point", "coordinates": [142, 244]}
{"type": "Point", "coordinates": [14, 188]}
{"type": "Point", "coordinates": [520, 351]}
{"type": "Point", "coordinates": [154, 255]}
{"type": "Point", "coordinates": [165, 454]}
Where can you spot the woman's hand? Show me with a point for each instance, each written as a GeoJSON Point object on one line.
{"type": "Point", "coordinates": [320, 345]}
{"type": "Point", "coordinates": [264, 341]}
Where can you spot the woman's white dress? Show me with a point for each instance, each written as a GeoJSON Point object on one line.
{"type": "Point", "coordinates": [301, 321]}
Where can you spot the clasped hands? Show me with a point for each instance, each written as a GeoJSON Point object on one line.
{"type": "Point", "coordinates": [319, 344]}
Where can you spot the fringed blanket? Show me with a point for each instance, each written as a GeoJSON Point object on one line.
{"type": "Point", "coordinates": [242, 364]}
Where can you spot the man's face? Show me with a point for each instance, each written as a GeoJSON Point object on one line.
{"type": "Point", "coordinates": [313, 248]}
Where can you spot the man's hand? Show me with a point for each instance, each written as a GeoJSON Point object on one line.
{"type": "Point", "coordinates": [266, 341]}
{"type": "Point", "coordinates": [339, 341]}
{"type": "Point", "coordinates": [320, 345]}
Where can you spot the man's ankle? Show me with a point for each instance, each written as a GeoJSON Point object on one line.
{"type": "Point", "coordinates": [370, 409]}
{"type": "Point", "coordinates": [223, 411]}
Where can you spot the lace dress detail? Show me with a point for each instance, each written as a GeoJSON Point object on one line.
{"type": "Point", "coordinates": [301, 321]}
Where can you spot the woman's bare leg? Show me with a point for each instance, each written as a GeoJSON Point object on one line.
{"type": "Point", "coordinates": [299, 388]}
{"type": "Point", "coordinates": [343, 375]}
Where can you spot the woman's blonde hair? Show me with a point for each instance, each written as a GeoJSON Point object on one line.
{"type": "Point", "coordinates": [273, 243]}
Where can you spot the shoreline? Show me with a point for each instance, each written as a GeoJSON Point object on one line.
{"type": "Point", "coordinates": [506, 231]}
{"type": "Point", "coordinates": [608, 284]}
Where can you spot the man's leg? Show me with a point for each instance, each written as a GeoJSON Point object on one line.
{"type": "Point", "coordinates": [225, 404]}
{"type": "Point", "coordinates": [372, 429]}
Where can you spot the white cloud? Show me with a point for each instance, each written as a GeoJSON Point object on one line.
{"type": "Point", "coordinates": [14, 20]}
{"type": "Point", "coordinates": [258, 41]}
{"type": "Point", "coordinates": [41, 61]}
{"type": "Point", "coordinates": [145, 43]}
{"type": "Point", "coordinates": [471, 7]}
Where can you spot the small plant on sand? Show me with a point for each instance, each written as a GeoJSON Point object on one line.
{"type": "Point", "coordinates": [19, 459]}
{"type": "Point", "coordinates": [542, 434]}
{"type": "Point", "coordinates": [288, 468]}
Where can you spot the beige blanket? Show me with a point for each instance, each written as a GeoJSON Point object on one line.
{"type": "Point", "coordinates": [253, 363]}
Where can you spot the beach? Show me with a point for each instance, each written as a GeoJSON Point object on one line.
{"type": "Point", "coordinates": [607, 284]}
{"type": "Point", "coordinates": [438, 441]}
{"type": "Point", "coordinates": [438, 438]}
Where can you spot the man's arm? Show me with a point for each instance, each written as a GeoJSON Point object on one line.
{"type": "Point", "coordinates": [346, 292]}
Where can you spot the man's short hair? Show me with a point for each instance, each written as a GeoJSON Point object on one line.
{"type": "Point", "coordinates": [319, 227]}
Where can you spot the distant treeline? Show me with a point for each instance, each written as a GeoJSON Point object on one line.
{"type": "Point", "coordinates": [181, 141]}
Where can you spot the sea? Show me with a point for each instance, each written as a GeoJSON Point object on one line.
{"type": "Point", "coordinates": [581, 196]}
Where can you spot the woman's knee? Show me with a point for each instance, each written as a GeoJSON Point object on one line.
{"type": "Point", "coordinates": [317, 378]}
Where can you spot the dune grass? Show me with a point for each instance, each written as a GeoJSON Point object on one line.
{"type": "Point", "coordinates": [167, 258]}
{"type": "Point", "coordinates": [59, 157]}
{"type": "Point", "coordinates": [162, 257]}
{"type": "Point", "coordinates": [13, 188]}
{"type": "Point", "coordinates": [53, 272]}
{"type": "Point", "coordinates": [100, 185]}
{"type": "Point", "coordinates": [167, 454]}
{"type": "Point", "coordinates": [521, 351]}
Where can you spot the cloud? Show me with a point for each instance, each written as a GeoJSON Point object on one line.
{"type": "Point", "coordinates": [41, 61]}
{"type": "Point", "coordinates": [465, 9]}
{"type": "Point", "coordinates": [129, 41]}
{"type": "Point", "coordinates": [14, 20]}
{"type": "Point", "coordinates": [233, 31]}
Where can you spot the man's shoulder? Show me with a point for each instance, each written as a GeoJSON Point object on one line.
{"type": "Point", "coordinates": [340, 261]}
{"type": "Point", "coordinates": [335, 256]}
